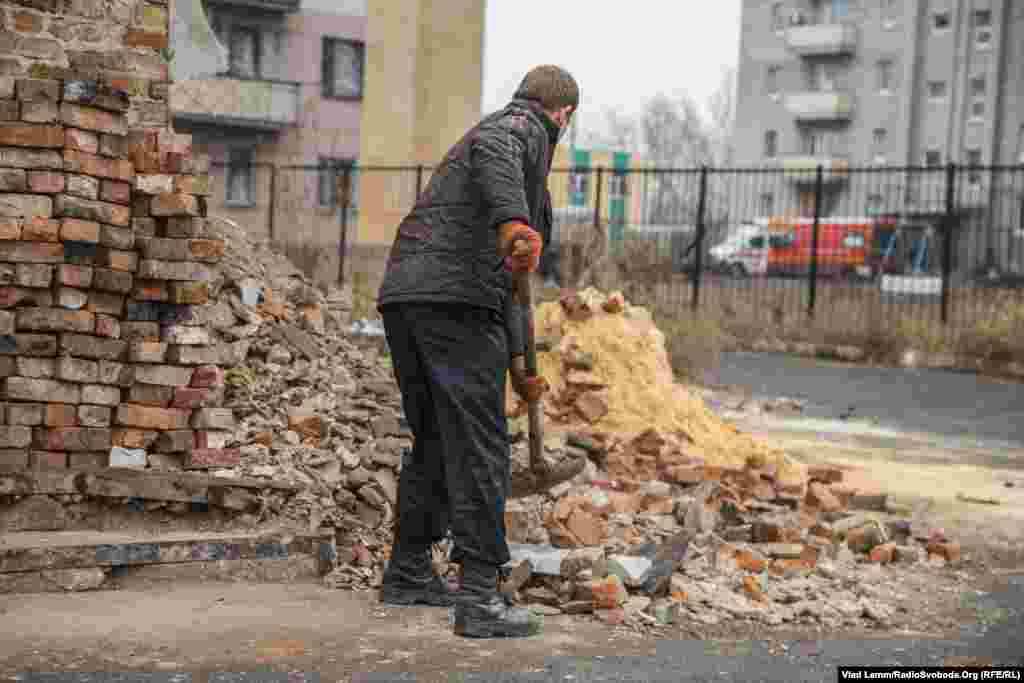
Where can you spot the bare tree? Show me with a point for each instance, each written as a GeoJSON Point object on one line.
{"type": "Point", "coordinates": [722, 108]}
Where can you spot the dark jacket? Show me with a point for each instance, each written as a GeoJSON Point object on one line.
{"type": "Point", "coordinates": [446, 250]}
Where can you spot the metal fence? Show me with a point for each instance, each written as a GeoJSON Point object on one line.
{"type": "Point", "coordinates": [847, 252]}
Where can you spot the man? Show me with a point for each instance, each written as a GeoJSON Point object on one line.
{"type": "Point", "coordinates": [452, 329]}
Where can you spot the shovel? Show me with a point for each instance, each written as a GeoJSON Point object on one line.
{"type": "Point", "coordinates": [542, 475]}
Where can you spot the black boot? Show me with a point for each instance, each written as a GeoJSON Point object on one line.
{"type": "Point", "coordinates": [481, 611]}
{"type": "Point", "coordinates": [410, 580]}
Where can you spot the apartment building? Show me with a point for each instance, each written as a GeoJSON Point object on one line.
{"type": "Point", "coordinates": [310, 87]}
{"type": "Point", "coordinates": [883, 83]}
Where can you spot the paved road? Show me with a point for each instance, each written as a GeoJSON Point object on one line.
{"type": "Point", "coordinates": [931, 401]}
{"type": "Point", "coordinates": [995, 639]}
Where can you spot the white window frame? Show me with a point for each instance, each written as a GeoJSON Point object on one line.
{"type": "Point", "coordinates": [884, 72]}
{"type": "Point", "coordinates": [246, 169]}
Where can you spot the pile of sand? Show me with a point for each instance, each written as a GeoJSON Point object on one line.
{"type": "Point", "coordinates": [610, 375]}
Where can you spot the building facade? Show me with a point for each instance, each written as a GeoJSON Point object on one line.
{"type": "Point", "coordinates": [307, 88]}
{"type": "Point", "coordinates": [879, 83]}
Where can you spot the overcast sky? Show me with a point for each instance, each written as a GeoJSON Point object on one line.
{"type": "Point", "coordinates": [621, 53]}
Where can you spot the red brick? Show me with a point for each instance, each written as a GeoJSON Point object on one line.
{"type": "Point", "coordinates": [116, 259]}
{"type": "Point", "coordinates": [207, 376]}
{"type": "Point", "coordinates": [212, 458]}
{"type": "Point", "coordinates": [41, 229]}
{"type": "Point", "coordinates": [136, 38]}
{"type": "Point", "coordinates": [140, 331]}
{"type": "Point", "coordinates": [174, 204]}
{"type": "Point", "coordinates": [81, 140]}
{"type": "Point", "coordinates": [108, 326]}
{"type": "Point", "coordinates": [90, 118]}
{"type": "Point", "coordinates": [145, 417]}
{"type": "Point", "coordinates": [150, 290]}
{"type": "Point", "coordinates": [83, 186]}
{"type": "Point", "coordinates": [27, 22]}
{"type": "Point", "coordinates": [10, 228]}
{"type": "Point", "coordinates": [33, 274]}
{"type": "Point", "coordinates": [76, 230]}
{"type": "Point", "coordinates": [35, 159]}
{"type": "Point", "coordinates": [74, 276]}
{"type": "Point", "coordinates": [108, 280]}
{"type": "Point", "coordinates": [193, 184]}
{"type": "Point", "coordinates": [46, 182]}
{"type": "Point", "coordinates": [106, 303]}
{"type": "Point", "coordinates": [42, 460]}
{"type": "Point", "coordinates": [76, 161]}
{"type": "Point", "coordinates": [133, 438]}
{"type": "Point", "coordinates": [55, 320]}
{"type": "Point", "coordinates": [117, 192]}
{"type": "Point", "coordinates": [190, 397]}
{"type": "Point", "coordinates": [882, 554]}
{"type": "Point", "coordinates": [213, 418]}
{"type": "Point", "coordinates": [27, 205]}
{"type": "Point", "coordinates": [69, 206]}
{"type": "Point", "coordinates": [147, 352]}
{"type": "Point", "coordinates": [28, 135]}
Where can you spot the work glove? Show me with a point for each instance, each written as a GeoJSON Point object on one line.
{"type": "Point", "coordinates": [521, 247]}
{"type": "Point", "coordinates": [530, 389]}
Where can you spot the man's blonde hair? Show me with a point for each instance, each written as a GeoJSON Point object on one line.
{"type": "Point", "coordinates": [552, 86]}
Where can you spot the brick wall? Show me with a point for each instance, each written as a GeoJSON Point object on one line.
{"type": "Point", "coordinates": [104, 262]}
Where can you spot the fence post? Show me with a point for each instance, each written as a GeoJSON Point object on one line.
{"type": "Point", "coordinates": [419, 181]}
{"type": "Point", "coordinates": [819, 189]}
{"type": "Point", "coordinates": [947, 238]}
{"type": "Point", "coordinates": [698, 262]}
{"type": "Point", "coordinates": [597, 199]}
{"type": "Point", "coordinates": [272, 210]}
{"type": "Point", "coordinates": [345, 182]}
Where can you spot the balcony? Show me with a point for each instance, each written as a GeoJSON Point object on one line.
{"type": "Point", "coordinates": [266, 5]}
{"type": "Point", "coordinates": [259, 105]}
{"type": "Point", "coordinates": [820, 106]}
{"type": "Point", "coordinates": [820, 40]}
{"type": "Point", "coordinates": [803, 170]}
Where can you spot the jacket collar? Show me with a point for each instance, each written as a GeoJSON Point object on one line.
{"type": "Point", "coordinates": [542, 116]}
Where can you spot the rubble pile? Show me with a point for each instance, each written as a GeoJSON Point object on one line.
{"type": "Point", "coordinates": [612, 384]}
{"type": "Point", "coordinates": [720, 544]}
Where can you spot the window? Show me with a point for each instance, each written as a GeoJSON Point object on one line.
{"type": "Point", "coordinates": [771, 143]}
{"type": "Point", "coordinates": [241, 178]}
{"type": "Point", "coordinates": [330, 173]}
{"type": "Point", "coordinates": [813, 143]}
{"type": "Point", "coordinates": [878, 140]}
{"type": "Point", "coordinates": [840, 9]}
{"type": "Point", "coordinates": [937, 89]}
{"type": "Point", "coordinates": [342, 68]}
{"type": "Point", "coordinates": [766, 205]}
{"type": "Point", "coordinates": [974, 159]}
{"type": "Point", "coordinates": [978, 109]}
{"type": "Point", "coordinates": [778, 22]}
{"type": "Point", "coordinates": [982, 20]}
{"type": "Point", "coordinates": [884, 71]}
{"type": "Point", "coordinates": [940, 21]}
{"type": "Point", "coordinates": [244, 47]}
{"type": "Point", "coordinates": [933, 158]}
{"type": "Point", "coordinates": [978, 86]}
{"type": "Point", "coordinates": [579, 186]}
{"type": "Point", "coordinates": [771, 81]}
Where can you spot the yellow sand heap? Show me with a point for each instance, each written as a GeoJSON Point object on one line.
{"type": "Point", "coordinates": [630, 379]}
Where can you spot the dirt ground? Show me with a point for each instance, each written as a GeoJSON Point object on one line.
{"type": "Point", "coordinates": [244, 627]}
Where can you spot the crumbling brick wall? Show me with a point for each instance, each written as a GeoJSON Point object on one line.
{"type": "Point", "coordinates": [104, 263]}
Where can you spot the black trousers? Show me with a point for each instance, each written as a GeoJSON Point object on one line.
{"type": "Point", "coordinates": [451, 364]}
